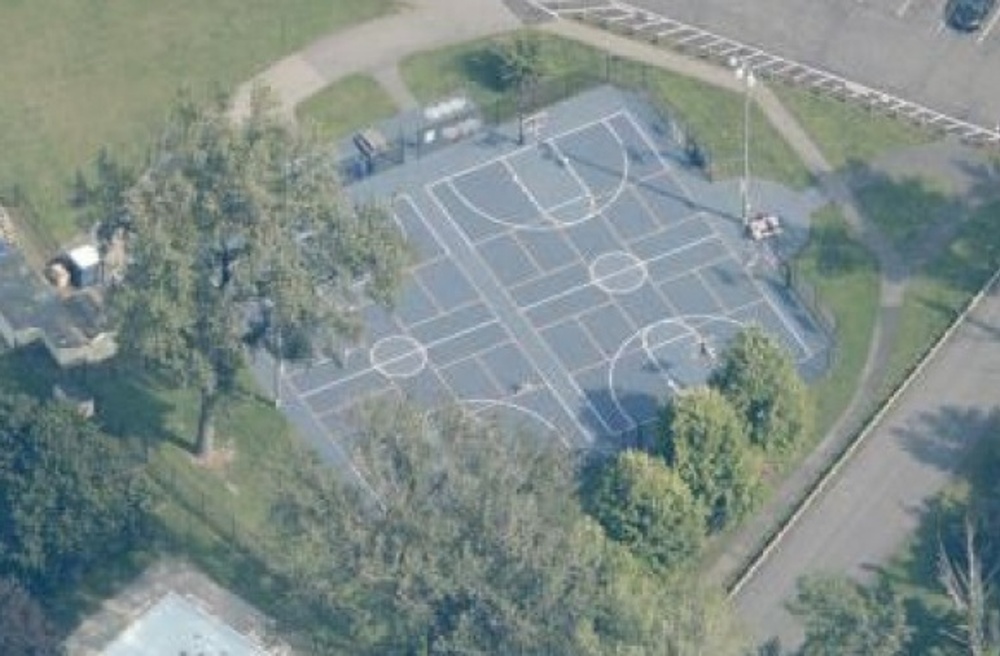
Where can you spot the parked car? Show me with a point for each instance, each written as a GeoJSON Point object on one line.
{"type": "Point", "coordinates": [968, 15]}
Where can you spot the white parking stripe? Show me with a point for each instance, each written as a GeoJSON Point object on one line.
{"type": "Point", "coordinates": [989, 26]}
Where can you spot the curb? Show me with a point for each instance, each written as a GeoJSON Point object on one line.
{"type": "Point", "coordinates": [827, 477]}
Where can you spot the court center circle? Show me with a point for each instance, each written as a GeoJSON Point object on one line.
{"type": "Point", "coordinates": [618, 272]}
{"type": "Point", "coordinates": [398, 356]}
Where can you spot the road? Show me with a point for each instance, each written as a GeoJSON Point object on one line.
{"type": "Point", "coordinates": [875, 503]}
{"type": "Point", "coordinates": [897, 46]}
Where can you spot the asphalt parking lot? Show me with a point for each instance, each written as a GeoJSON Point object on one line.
{"type": "Point", "coordinates": [901, 47]}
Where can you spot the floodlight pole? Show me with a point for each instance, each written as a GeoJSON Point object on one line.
{"type": "Point", "coordinates": [279, 368]}
{"type": "Point", "coordinates": [745, 73]}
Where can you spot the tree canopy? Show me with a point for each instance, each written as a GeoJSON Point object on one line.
{"type": "Point", "coordinates": [646, 505]}
{"type": "Point", "coordinates": [471, 540]}
{"type": "Point", "coordinates": [703, 439]}
{"type": "Point", "coordinates": [759, 378]}
{"type": "Point", "coordinates": [233, 224]}
{"type": "Point", "coordinates": [843, 617]}
{"type": "Point", "coordinates": [69, 494]}
{"type": "Point", "coordinates": [519, 61]}
{"type": "Point", "coordinates": [24, 628]}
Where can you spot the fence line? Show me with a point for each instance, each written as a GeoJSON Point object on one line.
{"type": "Point", "coordinates": [657, 28]}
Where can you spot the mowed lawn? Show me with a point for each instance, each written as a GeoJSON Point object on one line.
{"type": "Point", "coordinates": [77, 76]}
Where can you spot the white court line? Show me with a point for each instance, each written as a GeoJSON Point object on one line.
{"type": "Point", "coordinates": [336, 444]}
{"type": "Point", "coordinates": [517, 151]}
{"type": "Point", "coordinates": [447, 313]}
{"type": "Point", "coordinates": [544, 212]}
{"type": "Point", "coordinates": [588, 193]}
{"type": "Point", "coordinates": [542, 343]}
{"type": "Point", "coordinates": [989, 26]}
{"type": "Point", "coordinates": [517, 180]}
{"type": "Point", "coordinates": [711, 292]}
{"type": "Point", "coordinates": [592, 283]}
{"type": "Point", "coordinates": [519, 408]}
{"type": "Point", "coordinates": [429, 345]}
{"type": "Point", "coordinates": [423, 219]}
{"type": "Point", "coordinates": [781, 315]}
{"type": "Point", "coordinates": [509, 341]}
{"type": "Point", "coordinates": [645, 138]}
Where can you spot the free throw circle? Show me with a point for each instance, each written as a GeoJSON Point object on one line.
{"type": "Point", "coordinates": [618, 272]}
{"type": "Point", "coordinates": [398, 356]}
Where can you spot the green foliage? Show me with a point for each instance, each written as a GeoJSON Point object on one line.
{"type": "Point", "coordinates": [470, 541]}
{"type": "Point", "coordinates": [644, 504]}
{"type": "Point", "coordinates": [845, 277]}
{"type": "Point", "coordinates": [759, 378]}
{"type": "Point", "coordinates": [703, 439]}
{"type": "Point", "coordinates": [70, 495]}
{"type": "Point", "coordinates": [519, 61]}
{"type": "Point", "coordinates": [843, 617]}
{"type": "Point", "coordinates": [235, 218]}
{"type": "Point", "coordinates": [24, 628]}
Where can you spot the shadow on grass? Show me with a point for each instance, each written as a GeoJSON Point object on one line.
{"type": "Point", "coordinates": [484, 67]}
{"type": "Point", "coordinates": [126, 405]}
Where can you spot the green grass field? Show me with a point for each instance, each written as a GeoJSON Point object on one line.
{"type": "Point", "coordinates": [207, 513]}
{"type": "Point", "coordinates": [845, 278]}
{"type": "Point", "coordinates": [848, 134]}
{"type": "Point", "coordinates": [345, 106]}
{"type": "Point", "coordinates": [941, 290]}
{"type": "Point", "coordinates": [78, 76]}
{"type": "Point", "coordinates": [713, 116]}
{"type": "Point", "coordinates": [904, 209]}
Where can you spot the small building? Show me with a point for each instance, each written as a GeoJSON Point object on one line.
{"type": "Point", "coordinates": [174, 609]}
{"type": "Point", "coordinates": [71, 326]}
{"type": "Point", "coordinates": [84, 265]}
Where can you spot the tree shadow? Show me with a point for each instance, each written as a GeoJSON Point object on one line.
{"type": "Point", "coordinates": [837, 254]}
{"type": "Point", "coordinates": [915, 574]}
{"type": "Point", "coordinates": [126, 406]}
{"type": "Point", "coordinates": [631, 415]}
{"type": "Point", "coordinates": [486, 68]}
{"type": "Point", "coordinates": [944, 437]}
{"type": "Point", "coordinates": [922, 215]}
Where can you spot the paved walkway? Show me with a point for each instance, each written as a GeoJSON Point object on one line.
{"type": "Point", "coordinates": [377, 47]}
{"type": "Point", "coordinates": [894, 274]}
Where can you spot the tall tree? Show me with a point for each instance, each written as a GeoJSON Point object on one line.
{"type": "Point", "coordinates": [69, 494]}
{"type": "Point", "coordinates": [472, 542]}
{"type": "Point", "coordinates": [759, 378]}
{"type": "Point", "coordinates": [843, 617]}
{"type": "Point", "coordinates": [644, 504]}
{"type": "Point", "coordinates": [521, 64]}
{"type": "Point", "coordinates": [232, 221]}
{"type": "Point", "coordinates": [703, 439]}
{"type": "Point", "coordinates": [25, 630]}
{"type": "Point", "coordinates": [969, 585]}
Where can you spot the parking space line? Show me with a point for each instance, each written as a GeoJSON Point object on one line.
{"type": "Point", "coordinates": [989, 26]}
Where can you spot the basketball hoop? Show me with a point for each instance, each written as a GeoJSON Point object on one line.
{"type": "Point", "coordinates": [533, 124]}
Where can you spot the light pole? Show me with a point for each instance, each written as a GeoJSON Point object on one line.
{"type": "Point", "coordinates": [745, 73]}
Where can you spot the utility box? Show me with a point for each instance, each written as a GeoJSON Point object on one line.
{"type": "Point", "coordinates": [84, 263]}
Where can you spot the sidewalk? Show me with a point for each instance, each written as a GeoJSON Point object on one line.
{"type": "Point", "coordinates": [751, 538]}
{"type": "Point", "coordinates": [376, 46]}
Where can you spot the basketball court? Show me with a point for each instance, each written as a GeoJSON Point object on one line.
{"type": "Point", "coordinates": [566, 285]}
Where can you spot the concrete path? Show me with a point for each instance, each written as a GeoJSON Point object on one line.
{"type": "Point", "coordinates": [376, 47]}
{"type": "Point", "coordinates": [891, 292]}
